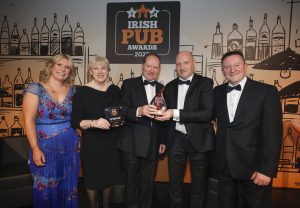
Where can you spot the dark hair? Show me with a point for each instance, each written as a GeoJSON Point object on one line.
{"type": "Point", "coordinates": [231, 53]}
{"type": "Point", "coordinates": [150, 54]}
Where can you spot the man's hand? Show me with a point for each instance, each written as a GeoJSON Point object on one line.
{"type": "Point", "coordinates": [260, 179]}
{"type": "Point", "coordinates": [165, 116]}
{"type": "Point", "coordinates": [147, 110]}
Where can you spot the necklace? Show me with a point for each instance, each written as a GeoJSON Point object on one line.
{"type": "Point", "coordinates": [54, 89]}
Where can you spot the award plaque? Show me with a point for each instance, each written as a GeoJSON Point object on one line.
{"type": "Point", "coordinates": [114, 115]}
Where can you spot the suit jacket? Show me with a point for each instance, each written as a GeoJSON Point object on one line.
{"type": "Point", "coordinates": [252, 141]}
{"type": "Point", "coordinates": [196, 114]}
{"type": "Point", "coordinates": [138, 132]}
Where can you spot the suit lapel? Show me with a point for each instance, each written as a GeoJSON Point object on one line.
{"type": "Point", "coordinates": [141, 92]}
{"type": "Point", "coordinates": [243, 99]}
{"type": "Point", "coordinates": [174, 94]}
{"type": "Point", "coordinates": [223, 101]}
{"type": "Point", "coordinates": [194, 83]}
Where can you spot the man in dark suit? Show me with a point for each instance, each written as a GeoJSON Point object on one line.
{"type": "Point", "coordinates": [140, 140]}
{"type": "Point", "coordinates": [248, 138]}
{"type": "Point", "coordinates": [189, 132]}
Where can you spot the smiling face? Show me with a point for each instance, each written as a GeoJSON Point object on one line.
{"type": "Point", "coordinates": [99, 72]}
{"type": "Point", "coordinates": [151, 68]}
{"type": "Point", "coordinates": [61, 69]}
{"type": "Point", "coordinates": [234, 69]}
{"type": "Point", "coordinates": [185, 64]}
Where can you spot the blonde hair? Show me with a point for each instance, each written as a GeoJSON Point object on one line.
{"type": "Point", "coordinates": [93, 64]}
{"type": "Point", "coordinates": [46, 73]}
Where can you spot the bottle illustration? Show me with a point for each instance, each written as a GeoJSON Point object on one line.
{"type": "Point", "coordinates": [5, 38]}
{"type": "Point", "coordinates": [66, 37]}
{"type": "Point", "coordinates": [251, 76]}
{"type": "Point", "coordinates": [54, 37]}
{"type": "Point", "coordinates": [235, 39]}
{"type": "Point", "coordinates": [16, 129]}
{"type": "Point", "coordinates": [44, 40]}
{"type": "Point", "coordinates": [28, 80]}
{"type": "Point", "coordinates": [24, 44]}
{"type": "Point", "coordinates": [297, 39]}
{"type": "Point", "coordinates": [15, 37]}
{"type": "Point", "coordinates": [120, 82]}
{"type": "Point", "coordinates": [78, 40]}
{"type": "Point", "coordinates": [35, 39]}
{"type": "Point", "coordinates": [250, 44]}
{"type": "Point", "coordinates": [4, 131]}
{"type": "Point", "coordinates": [110, 80]}
{"type": "Point", "coordinates": [288, 150]}
{"type": "Point", "coordinates": [131, 74]}
{"type": "Point", "coordinates": [278, 37]}
{"type": "Point", "coordinates": [18, 89]}
{"type": "Point", "coordinates": [264, 40]}
{"type": "Point", "coordinates": [214, 77]}
{"type": "Point", "coordinates": [7, 101]}
{"type": "Point", "coordinates": [277, 85]}
{"type": "Point", "coordinates": [77, 80]}
{"type": "Point", "coordinates": [217, 43]}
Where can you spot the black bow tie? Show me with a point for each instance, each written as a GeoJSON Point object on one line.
{"type": "Point", "coordinates": [229, 88]}
{"type": "Point", "coordinates": [146, 82]}
{"type": "Point", "coordinates": [187, 82]}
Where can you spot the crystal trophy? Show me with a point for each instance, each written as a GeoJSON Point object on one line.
{"type": "Point", "coordinates": [159, 102]}
{"type": "Point", "coordinates": [114, 115]}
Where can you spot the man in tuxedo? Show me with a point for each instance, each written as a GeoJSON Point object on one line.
{"type": "Point", "coordinates": [140, 140]}
{"type": "Point", "coordinates": [189, 131]}
{"type": "Point", "coordinates": [248, 137]}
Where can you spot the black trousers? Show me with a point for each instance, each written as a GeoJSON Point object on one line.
{"type": "Point", "coordinates": [199, 163]}
{"type": "Point", "coordinates": [139, 179]}
{"type": "Point", "coordinates": [235, 193]}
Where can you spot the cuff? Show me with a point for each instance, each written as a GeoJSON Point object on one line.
{"type": "Point", "coordinates": [176, 114]}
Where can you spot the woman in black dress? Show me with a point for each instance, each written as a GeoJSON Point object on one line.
{"type": "Point", "coordinates": [101, 162]}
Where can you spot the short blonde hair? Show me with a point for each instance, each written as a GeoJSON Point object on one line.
{"type": "Point", "coordinates": [96, 60]}
{"type": "Point", "coordinates": [46, 73]}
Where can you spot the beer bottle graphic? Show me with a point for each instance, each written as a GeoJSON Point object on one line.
{"type": "Point", "coordinates": [28, 79]}
{"type": "Point", "coordinates": [54, 37]}
{"type": "Point", "coordinates": [217, 43]}
{"type": "Point", "coordinates": [264, 40]}
{"type": "Point", "coordinates": [18, 89]}
{"type": "Point", "coordinates": [35, 39]}
{"type": "Point", "coordinates": [66, 37]}
{"type": "Point", "coordinates": [15, 38]}
{"type": "Point", "coordinates": [24, 44]}
{"type": "Point", "coordinates": [44, 45]}
{"type": "Point", "coordinates": [5, 38]}
{"type": "Point", "coordinates": [235, 39]}
{"type": "Point", "coordinates": [7, 101]}
{"type": "Point", "coordinates": [250, 44]}
{"type": "Point", "coordinates": [78, 40]}
{"type": "Point", "coordinates": [4, 131]}
{"type": "Point", "coordinates": [16, 129]}
{"type": "Point", "coordinates": [278, 37]}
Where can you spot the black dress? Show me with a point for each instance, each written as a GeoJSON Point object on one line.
{"type": "Point", "coordinates": [101, 161]}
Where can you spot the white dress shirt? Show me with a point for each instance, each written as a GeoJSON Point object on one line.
{"type": "Point", "coordinates": [150, 93]}
{"type": "Point", "coordinates": [182, 90]}
{"type": "Point", "coordinates": [233, 99]}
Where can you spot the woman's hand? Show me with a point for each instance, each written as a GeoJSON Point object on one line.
{"type": "Point", "coordinates": [38, 156]}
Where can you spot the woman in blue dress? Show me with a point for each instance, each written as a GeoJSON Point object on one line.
{"type": "Point", "coordinates": [54, 157]}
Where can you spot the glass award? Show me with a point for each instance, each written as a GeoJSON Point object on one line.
{"type": "Point", "coordinates": [160, 103]}
{"type": "Point", "coordinates": [114, 115]}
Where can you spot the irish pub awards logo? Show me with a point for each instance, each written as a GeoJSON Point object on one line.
{"type": "Point", "coordinates": [135, 29]}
